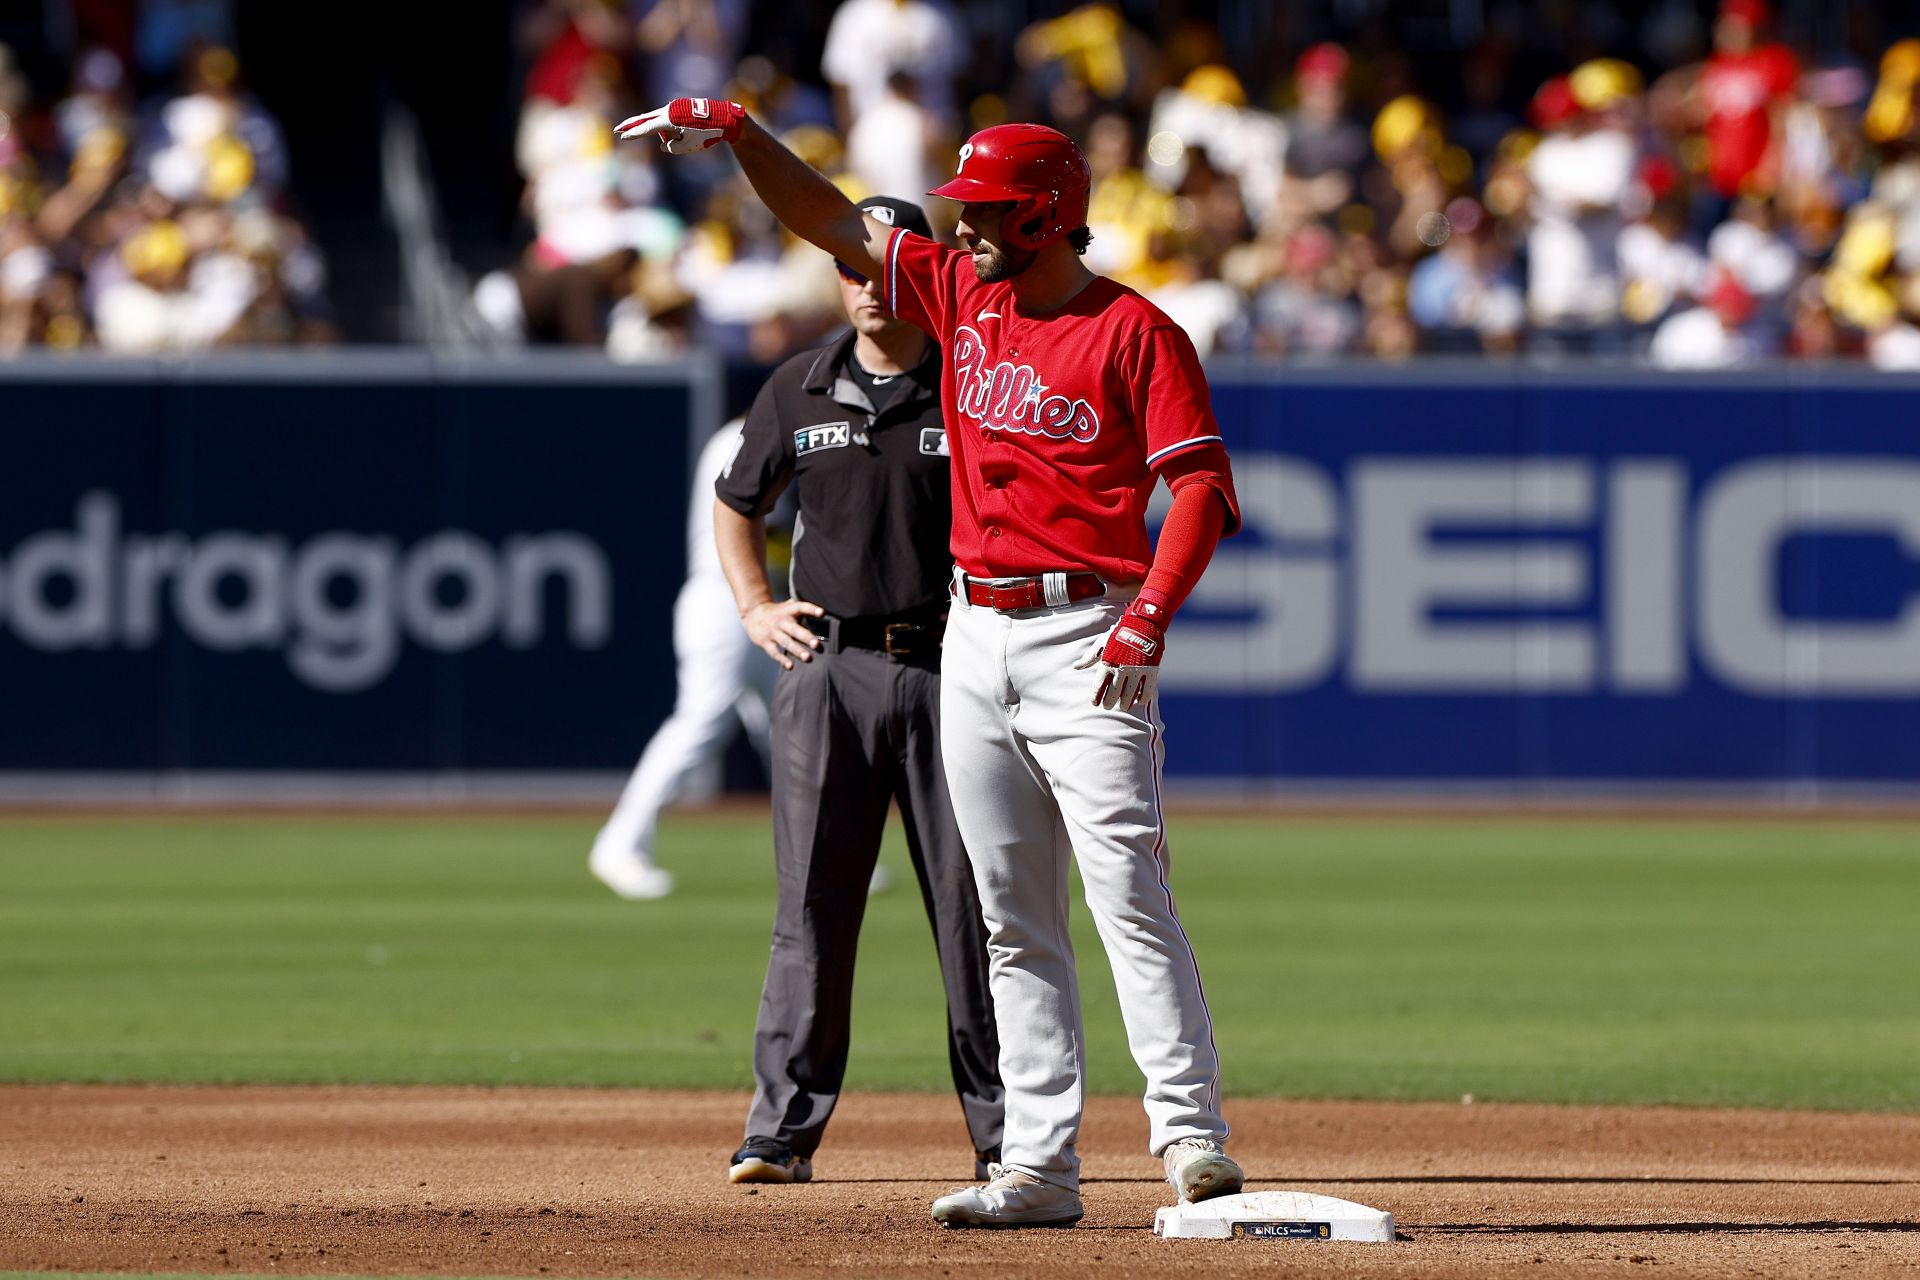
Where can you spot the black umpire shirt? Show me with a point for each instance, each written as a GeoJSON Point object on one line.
{"type": "Point", "coordinates": [875, 503]}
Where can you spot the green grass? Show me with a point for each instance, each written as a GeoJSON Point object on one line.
{"type": "Point", "coordinates": [1763, 964]}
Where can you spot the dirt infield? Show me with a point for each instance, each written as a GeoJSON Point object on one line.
{"type": "Point", "coordinates": [600, 1183]}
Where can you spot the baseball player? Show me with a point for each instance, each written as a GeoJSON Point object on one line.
{"type": "Point", "coordinates": [856, 427]}
{"type": "Point", "coordinates": [1069, 396]}
{"type": "Point", "coordinates": [716, 681]}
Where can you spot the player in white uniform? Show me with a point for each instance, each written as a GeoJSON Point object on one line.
{"type": "Point", "coordinates": [720, 681]}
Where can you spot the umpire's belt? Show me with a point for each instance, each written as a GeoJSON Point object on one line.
{"type": "Point", "coordinates": [915, 635]}
{"type": "Point", "coordinates": [1042, 591]}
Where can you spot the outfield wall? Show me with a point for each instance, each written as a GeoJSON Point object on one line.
{"type": "Point", "coordinates": [1546, 577]}
{"type": "Point", "coordinates": [376, 562]}
{"type": "Point", "coordinates": [1517, 579]}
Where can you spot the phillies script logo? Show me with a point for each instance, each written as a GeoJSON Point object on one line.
{"type": "Point", "coordinates": [1011, 397]}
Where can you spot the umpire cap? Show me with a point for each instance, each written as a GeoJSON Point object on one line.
{"type": "Point", "coordinates": [898, 213]}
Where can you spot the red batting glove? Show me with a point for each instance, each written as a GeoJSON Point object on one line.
{"type": "Point", "coordinates": [1129, 658]}
{"type": "Point", "coordinates": [687, 124]}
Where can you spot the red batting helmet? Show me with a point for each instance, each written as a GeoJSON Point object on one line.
{"type": "Point", "coordinates": [1039, 169]}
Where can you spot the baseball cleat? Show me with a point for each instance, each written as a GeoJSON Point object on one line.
{"type": "Point", "coordinates": [768, 1160]}
{"type": "Point", "coordinates": [986, 1165]}
{"type": "Point", "coordinates": [628, 876]}
{"type": "Point", "coordinates": [1013, 1199]}
{"type": "Point", "coordinates": [1198, 1169]}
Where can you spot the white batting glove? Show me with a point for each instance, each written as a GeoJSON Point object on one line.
{"type": "Point", "coordinates": [687, 124]}
{"type": "Point", "coordinates": [1129, 658]}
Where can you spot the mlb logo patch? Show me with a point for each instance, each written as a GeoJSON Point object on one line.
{"type": "Point", "coordinates": [933, 442]}
{"type": "Point", "coordinates": [828, 435]}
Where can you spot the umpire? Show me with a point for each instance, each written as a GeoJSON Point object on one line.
{"type": "Point", "coordinates": [856, 707]}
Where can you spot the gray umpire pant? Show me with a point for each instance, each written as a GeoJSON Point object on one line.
{"type": "Point", "coordinates": [853, 730]}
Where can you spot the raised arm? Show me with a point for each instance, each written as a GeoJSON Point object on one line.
{"type": "Point", "coordinates": [803, 200]}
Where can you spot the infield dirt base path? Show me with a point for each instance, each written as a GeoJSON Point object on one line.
{"type": "Point", "coordinates": [379, 1181]}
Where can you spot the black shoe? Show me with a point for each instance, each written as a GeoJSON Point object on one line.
{"type": "Point", "coordinates": [984, 1163]}
{"type": "Point", "coordinates": [769, 1160]}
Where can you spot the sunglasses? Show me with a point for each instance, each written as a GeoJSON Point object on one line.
{"type": "Point", "coordinates": [847, 273]}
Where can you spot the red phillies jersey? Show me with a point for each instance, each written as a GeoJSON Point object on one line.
{"type": "Point", "coordinates": [1059, 423]}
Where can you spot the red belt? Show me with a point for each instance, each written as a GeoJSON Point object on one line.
{"type": "Point", "coordinates": [1008, 594]}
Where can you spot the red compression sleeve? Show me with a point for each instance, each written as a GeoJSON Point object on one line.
{"type": "Point", "coordinates": [1187, 540]}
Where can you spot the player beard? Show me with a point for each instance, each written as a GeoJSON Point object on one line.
{"type": "Point", "coordinates": [997, 264]}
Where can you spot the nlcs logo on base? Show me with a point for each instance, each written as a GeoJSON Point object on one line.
{"type": "Point", "coordinates": [1283, 1231]}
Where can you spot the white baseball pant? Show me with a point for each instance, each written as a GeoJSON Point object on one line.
{"type": "Point", "coordinates": [718, 672]}
{"type": "Point", "coordinates": [1036, 772]}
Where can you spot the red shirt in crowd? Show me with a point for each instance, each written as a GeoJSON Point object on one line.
{"type": "Point", "coordinates": [1060, 423]}
{"type": "Point", "coordinates": [1738, 88]}
{"type": "Point", "coordinates": [555, 74]}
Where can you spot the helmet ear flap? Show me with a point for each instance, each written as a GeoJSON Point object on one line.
{"type": "Point", "coordinates": [1036, 215]}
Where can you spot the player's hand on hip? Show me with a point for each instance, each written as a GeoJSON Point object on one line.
{"type": "Point", "coordinates": [775, 627]}
{"type": "Point", "coordinates": [687, 124]}
{"type": "Point", "coordinates": [1128, 658]}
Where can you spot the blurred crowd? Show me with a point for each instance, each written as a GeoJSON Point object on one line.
{"type": "Point", "coordinates": [1692, 183]}
{"type": "Point", "coordinates": [150, 223]}
{"type": "Point", "coordinates": [1737, 195]}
